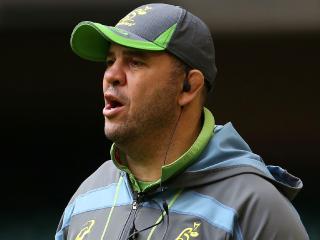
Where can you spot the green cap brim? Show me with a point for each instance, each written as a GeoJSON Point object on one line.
{"type": "Point", "coordinates": [91, 40]}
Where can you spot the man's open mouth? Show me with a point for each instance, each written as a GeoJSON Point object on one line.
{"type": "Point", "coordinates": [113, 104]}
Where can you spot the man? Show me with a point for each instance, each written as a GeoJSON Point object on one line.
{"type": "Point", "coordinates": [174, 174]}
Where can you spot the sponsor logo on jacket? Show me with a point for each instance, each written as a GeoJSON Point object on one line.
{"type": "Point", "coordinates": [85, 230]}
{"type": "Point", "coordinates": [189, 232]}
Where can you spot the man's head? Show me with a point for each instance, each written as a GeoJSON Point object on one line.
{"type": "Point", "coordinates": [143, 92]}
{"type": "Point", "coordinates": [159, 58]}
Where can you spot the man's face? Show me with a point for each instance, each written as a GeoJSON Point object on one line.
{"type": "Point", "coordinates": [140, 91]}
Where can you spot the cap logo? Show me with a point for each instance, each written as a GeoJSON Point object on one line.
{"type": "Point", "coordinates": [129, 19]}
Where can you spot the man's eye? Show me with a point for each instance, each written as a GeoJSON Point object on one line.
{"type": "Point", "coordinates": [136, 63]}
{"type": "Point", "coordinates": [110, 62]}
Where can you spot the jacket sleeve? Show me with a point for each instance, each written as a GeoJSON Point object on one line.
{"type": "Point", "coordinates": [268, 215]}
{"type": "Point", "coordinates": [59, 233]}
{"type": "Point", "coordinates": [62, 231]}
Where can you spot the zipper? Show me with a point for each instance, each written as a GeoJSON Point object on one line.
{"type": "Point", "coordinates": [128, 227]}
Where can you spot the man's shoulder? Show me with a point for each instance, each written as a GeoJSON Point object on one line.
{"type": "Point", "coordinates": [246, 188]}
{"type": "Point", "coordinates": [246, 193]}
{"type": "Point", "coordinates": [104, 176]}
{"type": "Point", "coordinates": [261, 205]}
{"type": "Point", "coordinates": [262, 211]}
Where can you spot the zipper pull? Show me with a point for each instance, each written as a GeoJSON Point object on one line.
{"type": "Point", "coordinates": [136, 200]}
{"type": "Point", "coordinates": [134, 205]}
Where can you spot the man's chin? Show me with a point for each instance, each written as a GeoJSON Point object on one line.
{"type": "Point", "coordinates": [113, 133]}
{"type": "Point", "coordinates": [110, 135]}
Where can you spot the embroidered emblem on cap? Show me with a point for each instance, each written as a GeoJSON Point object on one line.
{"type": "Point", "coordinates": [129, 19]}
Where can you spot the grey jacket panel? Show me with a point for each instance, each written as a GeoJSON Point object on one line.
{"type": "Point", "coordinates": [99, 179]}
{"type": "Point", "coordinates": [229, 193]}
{"type": "Point", "coordinates": [262, 211]}
{"type": "Point", "coordinates": [100, 218]}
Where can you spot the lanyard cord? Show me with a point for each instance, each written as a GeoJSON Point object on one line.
{"type": "Point", "coordinates": [116, 196]}
{"type": "Point", "coordinates": [135, 232]}
{"type": "Point", "coordinates": [175, 197]}
{"type": "Point", "coordinates": [164, 211]}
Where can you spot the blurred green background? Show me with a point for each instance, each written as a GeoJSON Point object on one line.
{"type": "Point", "coordinates": [51, 101]}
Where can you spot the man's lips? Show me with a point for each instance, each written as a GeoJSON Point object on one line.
{"type": "Point", "coordinates": [113, 105]}
{"type": "Point", "coordinates": [112, 112]}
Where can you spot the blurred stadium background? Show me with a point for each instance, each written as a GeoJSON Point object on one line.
{"type": "Point", "coordinates": [51, 101]}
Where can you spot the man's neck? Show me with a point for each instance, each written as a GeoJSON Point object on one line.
{"type": "Point", "coordinates": [146, 156]}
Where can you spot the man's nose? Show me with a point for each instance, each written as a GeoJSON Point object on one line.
{"type": "Point", "coordinates": [115, 75]}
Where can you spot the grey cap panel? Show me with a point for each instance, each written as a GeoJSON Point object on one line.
{"type": "Point", "coordinates": [193, 44]}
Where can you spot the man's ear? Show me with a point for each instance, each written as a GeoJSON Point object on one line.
{"type": "Point", "coordinates": [192, 87]}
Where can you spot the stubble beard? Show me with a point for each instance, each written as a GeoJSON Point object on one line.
{"type": "Point", "coordinates": [157, 115]}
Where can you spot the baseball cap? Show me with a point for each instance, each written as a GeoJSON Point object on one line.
{"type": "Point", "coordinates": [151, 27]}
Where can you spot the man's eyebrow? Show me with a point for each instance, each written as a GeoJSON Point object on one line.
{"type": "Point", "coordinates": [110, 54]}
{"type": "Point", "coordinates": [137, 53]}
